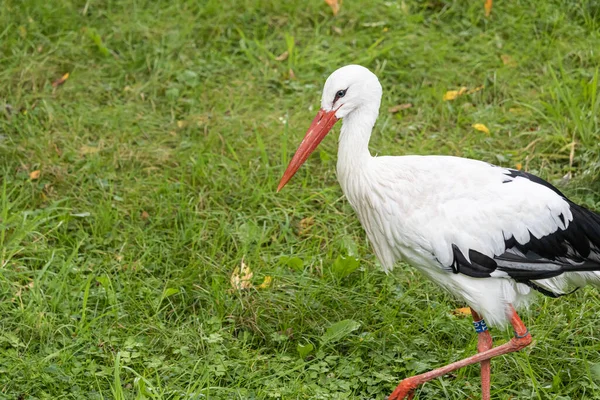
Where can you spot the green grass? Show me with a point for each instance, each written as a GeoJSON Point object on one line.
{"type": "Point", "coordinates": [159, 159]}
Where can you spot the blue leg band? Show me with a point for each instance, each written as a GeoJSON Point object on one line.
{"type": "Point", "coordinates": [480, 326]}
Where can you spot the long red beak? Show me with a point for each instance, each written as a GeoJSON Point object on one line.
{"type": "Point", "coordinates": [319, 128]}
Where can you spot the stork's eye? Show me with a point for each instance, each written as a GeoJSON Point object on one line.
{"type": "Point", "coordinates": [339, 94]}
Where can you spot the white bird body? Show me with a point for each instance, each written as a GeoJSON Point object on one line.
{"type": "Point", "coordinates": [414, 208]}
{"type": "Point", "coordinates": [487, 234]}
{"type": "Point", "coordinates": [433, 212]}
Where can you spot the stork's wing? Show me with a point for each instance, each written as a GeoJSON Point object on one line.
{"type": "Point", "coordinates": [574, 247]}
{"type": "Point", "coordinates": [478, 219]}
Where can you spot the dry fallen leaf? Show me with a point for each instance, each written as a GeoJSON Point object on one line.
{"type": "Point", "coordinates": [60, 80]}
{"type": "Point", "coordinates": [464, 311]}
{"type": "Point", "coordinates": [399, 107]}
{"type": "Point", "coordinates": [305, 225]}
{"type": "Point", "coordinates": [266, 282]}
{"type": "Point", "coordinates": [291, 73]}
{"type": "Point", "coordinates": [488, 7]}
{"type": "Point", "coordinates": [34, 174]}
{"type": "Point", "coordinates": [88, 150]}
{"type": "Point", "coordinates": [282, 56]}
{"type": "Point", "coordinates": [508, 60]}
{"type": "Point", "coordinates": [335, 5]}
{"type": "Point", "coordinates": [481, 128]}
{"type": "Point", "coordinates": [144, 215]}
{"type": "Point", "coordinates": [241, 277]}
{"type": "Point", "coordinates": [453, 94]}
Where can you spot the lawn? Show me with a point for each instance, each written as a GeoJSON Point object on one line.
{"type": "Point", "coordinates": [133, 188]}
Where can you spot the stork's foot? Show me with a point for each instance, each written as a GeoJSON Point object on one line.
{"type": "Point", "coordinates": [406, 388]}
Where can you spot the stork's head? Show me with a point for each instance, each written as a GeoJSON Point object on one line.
{"type": "Point", "coordinates": [348, 90]}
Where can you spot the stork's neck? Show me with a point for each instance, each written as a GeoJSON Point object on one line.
{"type": "Point", "coordinates": [353, 149]}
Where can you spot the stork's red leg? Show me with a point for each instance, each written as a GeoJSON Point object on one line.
{"type": "Point", "coordinates": [522, 339]}
{"type": "Point", "coordinates": [484, 342]}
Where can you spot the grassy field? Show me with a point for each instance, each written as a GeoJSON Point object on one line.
{"type": "Point", "coordinates": [132, 192]}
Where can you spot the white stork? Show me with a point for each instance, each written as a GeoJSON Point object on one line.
{"type": "Point", "coordinates": [489, 235]}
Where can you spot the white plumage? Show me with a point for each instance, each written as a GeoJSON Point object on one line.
{"type": "Point", "coordinates": [422, 209]}
{"type": "Point", "coordinates": [414, 208]}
